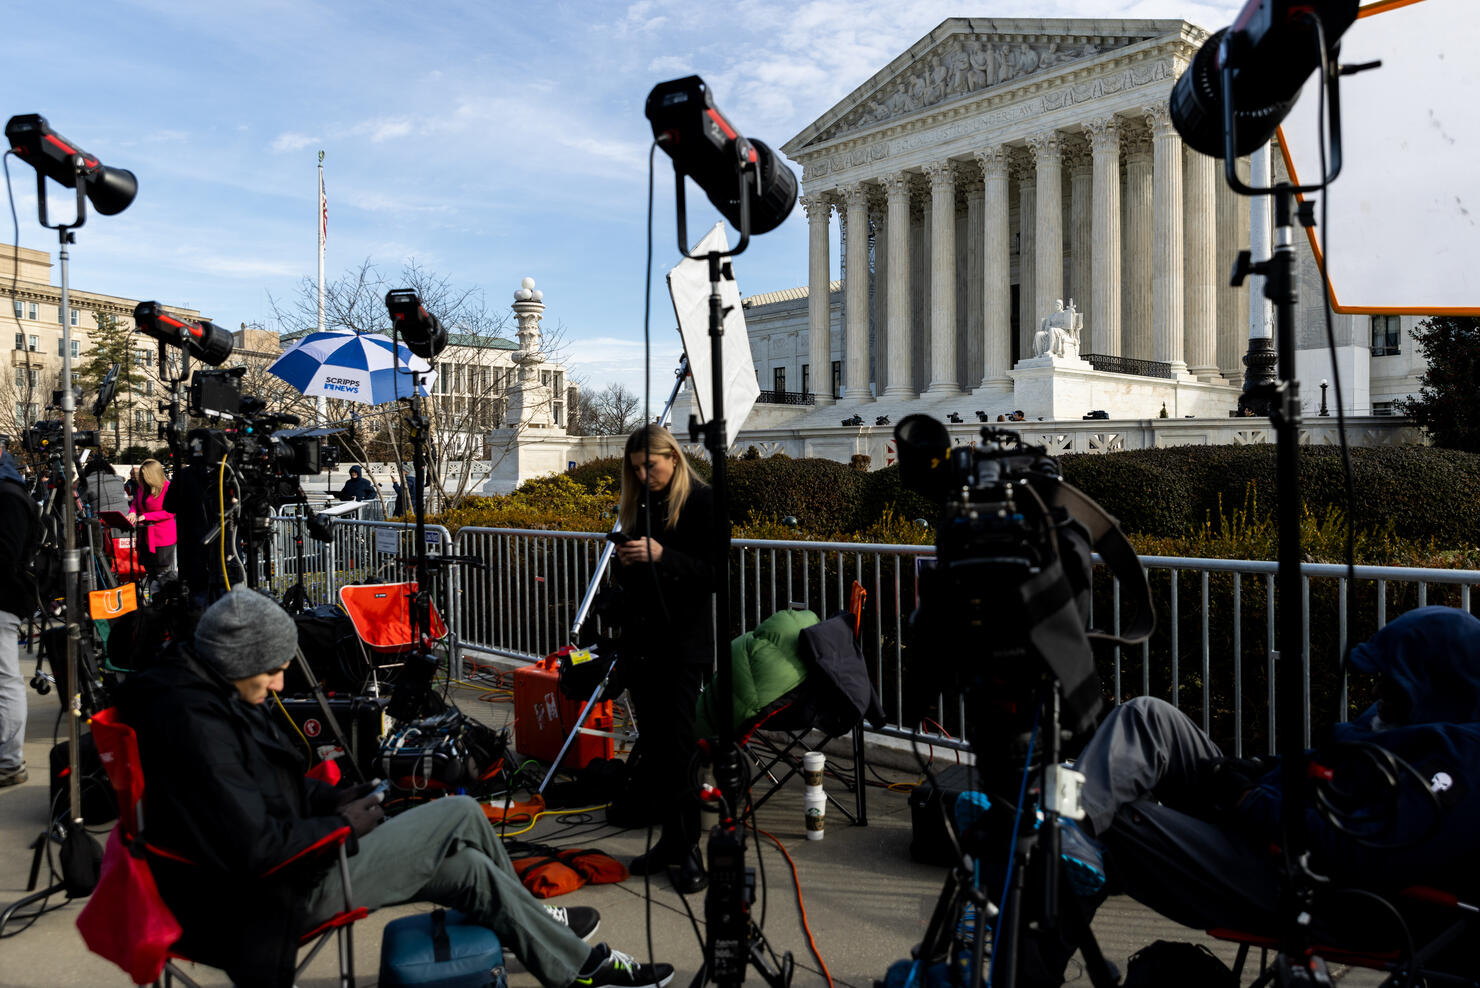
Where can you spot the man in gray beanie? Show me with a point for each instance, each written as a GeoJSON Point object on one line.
{"type": "Point", "coordinates": [227, 791]}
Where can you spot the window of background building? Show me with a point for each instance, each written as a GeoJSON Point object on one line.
{"type": "Point", "coordinates": [74, 317]}
{"type": "Point", "coordinates": [1382, 408]}
{"type": "Point", "coordinates": [837, 377]}
{"type": "Point", "coordinates": [20, 341]}
{"type": "Point", "coordinates": [33, 343]}
{"type": "Point", "coordinates": [141, 358]}
{"type": "Point", "coordinates": [148, 389]}
{"type": "Point", "coordinates": [778, 379]}
{"type": "Point", "coordinates": [20, 307]}
{"type": "Point", "coordinates": [1386, 337]}
{"type": "Point", "coordinates": [61, 346]}
{"type": "Point", "coordinates": [806, 378]}
{"type": "Point", "coordinates": [76, 348]}
{"type": "Point", "coordinates": [31, 311]}
{"type": "Point", "coordinates": [20, 377]}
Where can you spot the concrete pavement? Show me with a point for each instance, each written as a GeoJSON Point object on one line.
{"type": "Point", "coordinates": [866, 901]}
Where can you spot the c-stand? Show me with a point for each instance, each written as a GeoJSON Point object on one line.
{"type": "Point", "coordinates": [732, 938]}
{"type": "Point", "coordinates": [81, 856]}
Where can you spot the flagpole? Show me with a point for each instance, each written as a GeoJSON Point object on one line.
{"type": "Point", "coordinates": [323, 224]}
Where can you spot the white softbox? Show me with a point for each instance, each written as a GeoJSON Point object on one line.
{"type": "Point", "coordinates": [689, 285]}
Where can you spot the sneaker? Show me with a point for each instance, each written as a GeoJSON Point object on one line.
{"type": "Point", "coordinates": [1082, 859]}
{"type": "Point", "coordinates": [14, 778]}
{"type": "Point", "coordinates": [617, 968]}
{"type": "Point", "coordinates": [582, 920]}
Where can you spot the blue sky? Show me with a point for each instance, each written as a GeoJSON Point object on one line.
{"type": "Point", "coordinates": [488, 141]}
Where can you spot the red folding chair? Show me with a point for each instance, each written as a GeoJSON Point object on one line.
{"type": "Point", "coordinates": [381, 613]}
{"type": "Point", "coordinates": [126, 920]}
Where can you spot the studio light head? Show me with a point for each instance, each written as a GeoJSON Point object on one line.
{"type": "Point", "coordinates": [204, 340]}
{"type": "Point", "coordinates": [706, 147]}
{"type": "Point", "coordinates": [422, 332]}
{"type": "Point", "coordinates": [109, 189]}
{"type": "Point", "coordinates": [1272, 48]}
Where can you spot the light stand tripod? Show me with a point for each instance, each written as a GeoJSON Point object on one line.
{"type": "Point", "coordinates": [732, 939]}
{"type": "Point", "coordinates": [584, 611]}
{"type": "Point", "coordinates": [81, 856]}
{"type": "Point", "coordinates": [1296, 964]}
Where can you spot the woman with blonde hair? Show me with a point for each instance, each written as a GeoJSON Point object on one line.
{"type": "Point", "coordinates": [666, 569]}
{"type": "Point", "coordinates": [159, 524]}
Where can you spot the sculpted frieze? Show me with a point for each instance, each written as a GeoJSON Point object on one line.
{"type": "Point", "coordinates": [1003, 117]}
{"type": "Point", "coordinates": [967, 64]}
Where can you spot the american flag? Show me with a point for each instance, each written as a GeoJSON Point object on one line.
{"type": "Point", "coordinates": [323, 213]}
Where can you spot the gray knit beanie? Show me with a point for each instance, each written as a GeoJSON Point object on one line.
{"type": "Point", "coordinates": [244, 634]}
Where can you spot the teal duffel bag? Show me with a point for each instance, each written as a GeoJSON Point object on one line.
{"type": "Point", "coordinates": [440, 949]}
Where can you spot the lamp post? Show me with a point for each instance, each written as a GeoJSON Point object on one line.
{"type": "Point", "coordinates": [1323, 398]}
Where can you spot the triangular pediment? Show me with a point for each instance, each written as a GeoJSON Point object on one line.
{"type": "Point", "coordinates": [966, 58]}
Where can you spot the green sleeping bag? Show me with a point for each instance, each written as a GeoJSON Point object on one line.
{"type": "Point", "coordinates": [767, 664]}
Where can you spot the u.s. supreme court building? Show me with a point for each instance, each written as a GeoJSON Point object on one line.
{"type": "Point", "coordinates": [1019, 226]}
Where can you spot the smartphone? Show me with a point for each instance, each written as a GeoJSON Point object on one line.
{"type": "Point", "coordinates": [385, 785]}
{"type": "Point", "coordinates": [618, 538]}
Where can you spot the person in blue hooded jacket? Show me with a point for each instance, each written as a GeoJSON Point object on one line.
{"type": "Point", "coordinates": [1180, 828]}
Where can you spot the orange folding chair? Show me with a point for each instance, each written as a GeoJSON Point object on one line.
{"type": "Point", "coordinates": [382, 616]}
{"type": "Point", "coordinates": [126, 920]}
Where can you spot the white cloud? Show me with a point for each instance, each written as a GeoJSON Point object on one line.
{"type": "Point", "coordinates": [292, 141]}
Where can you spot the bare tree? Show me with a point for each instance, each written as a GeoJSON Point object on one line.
{"type": "Point", "coordinates": [473, 392]}
{"type": "Point", "coordinates": [614, 411]}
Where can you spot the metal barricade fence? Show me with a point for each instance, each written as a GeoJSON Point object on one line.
{"type": "Point", "coordinates": [1211, 654]}
{"type": "Point", "coordinates": [359, 552]}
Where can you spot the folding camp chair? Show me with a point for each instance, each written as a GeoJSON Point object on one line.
{"type": "Point", "coordinates": [816, 713]}
{"type": "Point", "coordinates": [381, 614]}
{"type": "Point", "coordinates": [127, 922]}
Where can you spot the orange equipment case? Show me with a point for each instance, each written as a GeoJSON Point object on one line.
{"type": "Point", "coordinates": [544, 718]}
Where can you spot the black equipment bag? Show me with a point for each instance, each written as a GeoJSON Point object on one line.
{"type": "Point", "coordinates": [1172, 964]}
{"type": "Point", "coordinates": [929, 841]}
{"type": "Point", "coordinates": [328, 640]}
{"type": "Point", "coordinates": [99, 805]}
{"type": "Point", "coordinates": [362, 718]}
{"type": "Point", "coordinates": [447, 752]}
{"type": "Point", "coordinates": [441, 949]}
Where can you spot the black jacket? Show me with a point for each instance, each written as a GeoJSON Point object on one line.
{"type": "Point", "coordinates": [225, 789]}
{"type": "Point", "coordinates": [668, 606]}
{"type": "Point", "coordinates": [357, 489]}
{"type": "Point", "coordinates": [20, 528]}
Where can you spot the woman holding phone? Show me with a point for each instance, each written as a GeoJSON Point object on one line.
{"type": "Point", "coordinates": [667, 575]}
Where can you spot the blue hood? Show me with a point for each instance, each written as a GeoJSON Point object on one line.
{"type": "Point", "coordinates": [1433, 656]}
{"type": "Point", "coordinates": [8, 469]}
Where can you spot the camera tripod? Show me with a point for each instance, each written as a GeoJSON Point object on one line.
{"type": "Point", "coordinates": [1036, 845]}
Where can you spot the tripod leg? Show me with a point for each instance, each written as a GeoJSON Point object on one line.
{"type": "Point", "coordinates": [580, 722]}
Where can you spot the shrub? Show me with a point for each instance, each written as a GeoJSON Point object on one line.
{"type": "Point", "coordinates": [822, 494]}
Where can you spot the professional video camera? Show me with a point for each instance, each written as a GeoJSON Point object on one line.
{"type": "Point", "coordinates": [45, 437]}
{"type": "Point", "coordinates": [264, 452]}
{"type": "Point", "coordinates": [1005, 608]}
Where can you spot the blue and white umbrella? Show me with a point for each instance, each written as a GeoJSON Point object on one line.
{"type": "Point", "coordinates": [361, 367]}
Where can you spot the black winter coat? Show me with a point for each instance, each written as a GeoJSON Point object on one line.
{"type": "Point", "coordinates": [668, 605]}
{"type": "Point", "coordinates": [20, 529]}
{"type": "Point", "coordinates": [225, 789]}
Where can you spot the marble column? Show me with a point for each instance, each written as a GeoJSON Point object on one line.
{"type": "Point", "coordinates": [1027, 250]}
{"type": "Point", "coordinates": [855, 330]}
{"type": "Point", "coordinates": [1200, 300]}
{"type": "Point", "coordinates": [1048, 268]}
{"type": "Point", "coordinates": [996, 272]}
{"type": "Point", "coordinates": [899, 377]}
{"type": "Point", "coordinates": [819, 303]}
{"type": "Point", "coordinates": [1136, 299]}
{"type": "Point", "coordinates": [1166, 209]}
{"type": "Point", "coordinates": [879, 311]}
{"type": "Point", "coordinates": [942, 278]}
{"type": "Point", "coordinates": [1233, 303]}
{"type": "Point", "coordinates": [972, 269]}
{"type": "Point", "coordinates": [1102, 325]}
{"type": "Point", "coordinates": [1081, 233]}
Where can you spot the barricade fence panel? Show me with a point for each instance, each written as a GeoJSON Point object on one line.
{"type": "Point", "coordinates": [516, 592]}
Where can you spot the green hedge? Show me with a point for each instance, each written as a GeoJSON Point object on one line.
{"type": "Point", "coordinates": [1425, 493]}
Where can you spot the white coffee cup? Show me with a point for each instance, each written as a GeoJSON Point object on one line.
{"type": "Point", "coordinates": [813, 763]}
{"type": "Point", "coordinates": [816, 812]}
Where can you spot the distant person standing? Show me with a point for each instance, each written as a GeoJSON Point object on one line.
{"type": "Point", "coordinates": [357, 488]}
{"type": "Point", "coordinates": [148, 508]}
{"type": "Point", "coordinates": [20, 528]}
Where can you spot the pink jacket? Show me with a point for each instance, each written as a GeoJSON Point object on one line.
{"type": "Point", "coordinates": [151, 509]}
